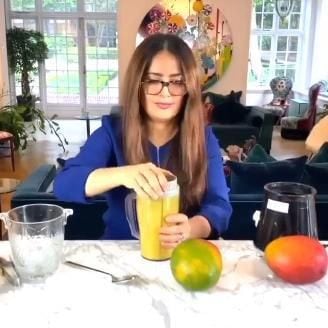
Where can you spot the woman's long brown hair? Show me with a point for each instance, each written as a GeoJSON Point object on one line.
{"type": "Point", "coordinates": [189, 157]}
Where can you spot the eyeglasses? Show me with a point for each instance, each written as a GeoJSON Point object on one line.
{"type": "Point", "coordinates": [155, 87]}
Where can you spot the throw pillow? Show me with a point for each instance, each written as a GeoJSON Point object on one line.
{"type": "Point", "coordinates": [229, 113]}
{"type": "Point", "coordinates": [228, 109]}
{"type": "Point", "coordinates": [235, 96]}
{"type": "Point", "coordinates": [218, 99]}
{"type": "Point", "coordinates": [316, 170]}
{"type": "Point", "coordinates": [316, 175]}
{"type": "Point", "coordinates": [258, 155]}
{"type": "Point", "coordinates": [248, 177]}
{"type": "Point", "coordinates": [322, 155]}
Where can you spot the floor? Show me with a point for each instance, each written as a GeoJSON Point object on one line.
{"type": "Point", "coordinates": [46, 150]}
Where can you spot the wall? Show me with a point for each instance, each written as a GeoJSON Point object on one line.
{"type": "Point", "coordinates": [4, 84]}
{"type": "Point", "coordinates": [237, 13]}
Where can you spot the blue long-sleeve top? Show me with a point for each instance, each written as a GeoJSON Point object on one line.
{"type": "Point", "coordinates": [104, 149]}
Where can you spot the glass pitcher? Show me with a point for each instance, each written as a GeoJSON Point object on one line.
{"type": "Point", "coordinates": [36, 235]}
{"type": "Point", "coordinates": [146, 216]}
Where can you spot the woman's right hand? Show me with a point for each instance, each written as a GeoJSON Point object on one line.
{"type": "Point", "coordinates": [147, 180]}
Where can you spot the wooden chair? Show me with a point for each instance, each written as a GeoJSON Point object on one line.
{"type": "Point", "coordinates": [7, 142]}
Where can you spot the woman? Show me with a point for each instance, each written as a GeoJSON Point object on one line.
{"type": "Point", "coordinates": [161, 129]}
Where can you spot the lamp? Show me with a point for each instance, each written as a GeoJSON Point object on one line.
{"type": "Point", "coordinates": [283, 7]}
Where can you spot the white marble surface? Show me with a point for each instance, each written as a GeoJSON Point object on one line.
{"type": "Point", "coordinates": [247, 293]}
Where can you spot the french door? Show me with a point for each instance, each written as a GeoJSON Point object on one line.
{"type": "Point", "coordinates": [82, 66]}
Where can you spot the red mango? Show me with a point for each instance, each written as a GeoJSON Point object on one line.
{"type": "Point", "coordinates": [297, 259]}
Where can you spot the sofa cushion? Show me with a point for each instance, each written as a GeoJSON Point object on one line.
{"type": "Point", "coordinates": [316, 175]}
{"type": "Point", "coordinates": [256, 121]}
{"type": "Point", "coordinates": [248, 177]}
{"type": "Point", "coordinates": [233, 134]}
{"type": "Point", "coordinates": [227, 108]}
{"type": "Point", "coordinates": [39, 180]}
{"type": "Point", "coordinates": [322, 155]}
{"type": "Point", "coordinates": [218, 99]}
{"type": "Point", "coordinates": [316, 170]}
{"type": "Point", "coordinates": [258, 155]}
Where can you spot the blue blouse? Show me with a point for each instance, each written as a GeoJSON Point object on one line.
{"type": "Point", "coordinates": [104, 149]}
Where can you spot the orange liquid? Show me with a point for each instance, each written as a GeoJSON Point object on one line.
{"type": "Point", "coordinates": [151, 217]}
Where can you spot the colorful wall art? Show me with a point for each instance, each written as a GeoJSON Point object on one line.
{"type": "Point", "coordinates": [201, 25]}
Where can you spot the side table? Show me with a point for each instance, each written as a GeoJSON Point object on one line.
{"type": "Point", "coordinates": [87, 117]}
{"type": "Point", "coordinates": [277, 111]}
{"type": "Point", "coordinates": [298, 107]}
{"type": "Point", "coordinates": [7, 185]}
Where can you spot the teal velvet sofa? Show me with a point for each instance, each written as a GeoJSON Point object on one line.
{"type": "Point", "coordinates": [247, 180]}
{"type": "Point", "coordinates": [86, 223]}
{"type": "Point", "coordinates": [256, 124]}
{"type": "Point", "coordinates": [233, 123]}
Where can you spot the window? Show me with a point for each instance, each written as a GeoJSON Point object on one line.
{"type": "Point", "coordinates": [276, 44]}
{"type": "Point", "coordinates": [81, 71]}
{"type": "Point", "coordinates": [319, 68]}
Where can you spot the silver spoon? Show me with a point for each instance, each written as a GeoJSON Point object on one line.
{"type": "Point", "coordinates": [115, 279]}
{"type": "Point", "coordinates": [9, 271]}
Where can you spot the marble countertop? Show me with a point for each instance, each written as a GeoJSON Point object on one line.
{"type": "Point", "coordinates": [247, 293]}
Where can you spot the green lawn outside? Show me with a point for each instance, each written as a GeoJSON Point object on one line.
{"type": "Point", "coordinates": [69, 83]}
{"type": "Point", "coordinates": [64, 47]}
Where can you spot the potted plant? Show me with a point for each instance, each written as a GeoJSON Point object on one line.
{"type": "Point", "coordinates": [26, 49]}
{"type": "Point", "coordinates": [12, 120]}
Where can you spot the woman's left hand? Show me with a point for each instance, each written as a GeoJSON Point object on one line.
{"type": "Point", "coordinates": [176, 230]}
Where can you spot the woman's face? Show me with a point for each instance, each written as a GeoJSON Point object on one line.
{"type": "Point", "coordinates": [164, 88]}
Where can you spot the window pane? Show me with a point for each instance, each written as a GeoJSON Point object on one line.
{"type": "Point", "coordinates": [278, 42]}
{"type": "Point", "coordinates": [293, 43]}
{"type": "Point", "coordinates": [279, 72]}
{"type": "Point", "coordinates": [269, 6]}
{"type": "Point", "coordinates": [62, 66]}
{"type": "Point", "coordinates": [281, 61]}
{"type": "Point", "coordinates": [22, 5]}
{"type": "Point", "coordinates": [265, 58]}
{"type": "Point", "coordinates": [292, 56]}
{"type": "Point", "coordinates": [101, 62]}
{"type": "Point", "coordinates": [295, 21]}
{"type": "Point", "coordinates": [282, 43]}
{"type": "Point", "coordinates": [291, 74]}
{"type": "Point", "coordinates": [59, 5]}
{"type": "Point", "coordinates": [297, 6]}
{"type": "Point", "coordinates": [101, 6]}
{"type": "Point", "coordinates": [34, 84]}
{"type": "Point", "coordinates": [284, 23]}
{"type": "Point", "coordinates": [281, 57]}
{"type": "Point", "coordinates": [266, 43]}
{"type": "Point", "coordinates": [258, 6]}
{"type": "Point", "coordinates": [28, 24]}
{"type": "Point", "coordinates": [258, 21]}
{"type": "Point", "coordinates": [268, 21]}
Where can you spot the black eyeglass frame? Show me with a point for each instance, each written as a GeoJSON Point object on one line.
{"type": "Point", "coordinates": [165, 84]}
